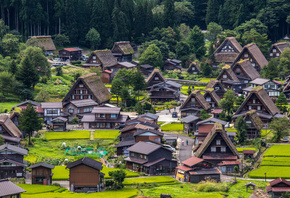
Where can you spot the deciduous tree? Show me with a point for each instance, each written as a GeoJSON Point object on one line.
{"type": "Point", "coordinates": [93, 37]}
{"type": "Point", "coordinates": [227, 103]}
{"type": "Point", "coordinates": [241, 127]}
{"type": "Point", "coordinates": [280, 128]}
{"type": "Point", "coordinates": [152, 56]}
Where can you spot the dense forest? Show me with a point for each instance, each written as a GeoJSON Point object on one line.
{"type": "Point", "coordinates": [134, 19]}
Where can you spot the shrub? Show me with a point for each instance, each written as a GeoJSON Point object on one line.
{"type": "Point", "coordinates": [75, 120]}
{"type": "Point", "coordinates": [210, 185]}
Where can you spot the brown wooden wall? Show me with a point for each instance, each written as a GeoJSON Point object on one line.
{"type": "Point", "coordinates": [143, 138]}
{"type": "Point", "coordinates": [83, 175]}
{"type": "Point", "coordinates": [40, 171]}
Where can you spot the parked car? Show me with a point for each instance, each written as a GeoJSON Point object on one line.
{"type": "Point", "coordinates": [174, 114]}
{"type": "Point", "coordinates": [285, 139]}
{"type": "Point", "coordinates": [169, 147]}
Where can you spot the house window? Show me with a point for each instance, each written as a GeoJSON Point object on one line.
{"type": "Point", "coordinates": [132, 154]}
{"type": "Point", "coordinates": [64, 52]}
{"type": "Point", "coordinates": [156, 78]}
{"type": "Point", "coordinates": [246, 55]}
{"type": "Point", "coordinates": [192, 99]}
{"type": "Point", "coordinates": [73, 96]}
{"type": "Point", "coordinates": [238, 70]}
{"type": "Point", "coordinates": [81, 97]}
{"type": "Point", "coordinates": [208, 99]}
{"type": "Point", "coordinates": [216, 88]}
{"type": "Point", "coordinates": [258, 107]}
{"type": "Point", "coordinates": [157, 139]}
{"type": "Point", "coordinates": [213, 149]}
{"type": "Point", "coordinates": [254, 101]}
{"type": "Point", "coordinates": [113, 115]}
{"type": "Point", "coordinates": [246, 81]}
{"type": "Point", "coordinates": [81, 85]}
{"type": "Point", "coordinates": [224, 76]}
{"type": "Point", "coordinates": [218, 142]}
{"type": "Point", "coordinates": [223, 149]}
{"type": "Point", "coordinates": [102, 115]}
{"type": "Point", "coordinates": [271, 54]}
{"type": "Point", "coordinates": [254, 64]}
{"type": "Point", "coordinates": [94, 61]}
{"type": "Point", "coordinates": [145, 157]}
{"type": "Point", "coordinates": [250, 107]}
{"type": "Point", "coordinates": [0, 128]}
{"type": "Point", "coordinates": [71, 111]}
{"type": "Point", "coordinates": [193, 68]}
{"type": "Point", "coordinates": [277, 54]}
{"type": "Point", "coordinates": [141, 156]}
{"type": "Point", "coordinates": [89, 97]}
{"type": "Point", "coordinates": [81, 91]}
{"type": "Point", "coordinates": [274, 50]}
{"type": "Point", "coordinates": [94, 57]}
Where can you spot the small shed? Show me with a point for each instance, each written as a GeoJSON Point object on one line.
{"type": "Point", "coordinates": [59, 124]}
{"type": "Point", "coordinates": [250, 185]}
{"type": "Point", "coordinates": [248, 154]}
{"type": "Point", "coordinates": [41, 173]}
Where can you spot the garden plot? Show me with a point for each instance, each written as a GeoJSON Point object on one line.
{"type": "Point", "coordinates": [172, 127]}
{"type": "Point", "coordinates": [276, 163]}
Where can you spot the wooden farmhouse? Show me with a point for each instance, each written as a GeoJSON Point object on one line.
{"type": "Point", "coordinates": [164, 91]}
{"type": "Point", "coordinates": [12, 164]}
{"type": "Point", "coordinates": [278, 187]}
{"type": "Point", "coordinates": [37, 107]}
{"type": "Point", "coordinates": [259, 101]}
{"type": "Point", "coordinates": [146, 69]}
{"type": "Point", "coordinates": [46, 42]}
{"type": "Point", "coordinates": [203, 128]}
{"type": "Point", "coordinates": [229, 80]}
{"type": "Point", "coordinates": [143, 121]}
{"type": "Point", "coordinates": [88, 86]}
{"type": "Point", "coordinates": [150, 158]}
{"type": "Point", "coordinates": [172, 64]}
{"type": "Point", "coordinates": [195, 170]}
{"type": "Point", "coordinates": [254, 55]}
{"type": "Point", "coordinates": [193, 68]}
{"type": "Point", "coordinates": [85, 175]}
{"type": "Point", "coordinates": [217, 148]}
{"type": "Point", "coordinates": [272, 87]}
{"type": "Point", "coordinates": [212, 98]}
{"type": "Point", "coordinates": [123, 51]}
{"type": "Point", "coordinates": [104, 118]}
{"type": "Point", "coordinates": [244, 71]}
{"type": "Point", "coordinates": [10, 190]}
{"type": "Point", "coordinates": [227, 52]}
{"type": "Point", "coordinates": [120, 65]}
{"type": "Point", "coordinates": [277, 49]}
{"type": "Point", "coordinates": [217, 86]}
{"type": "Point", "coordinates": [155, 77]}
{"type": "Point", "coordinates": [102, 59]}
{"type": "Point", "coordinates": [189, 124]}
{"type": "Point", "coordinates": [193, 105]}
{"type": "Point", "coordinates": [136, 133]}
{"type": "Point", "coordinates": [41, 173]}
{"type": "Point", "coordinates": [52, 110]}
{"type": "Point", "coordinates": [9, 130]}
{"type": "Point", "coordinates": [150, 116]}
{"type": "Point", "coordinates": [14, 116]}
{"type": "Point", "coordinates": [72, 54]}
{"type": "Point", "coordinates": [59, 124]}
{"type": "Point", "coordinates": [254, 124]}
{"type": "Point", "coordinates": [77, 108]}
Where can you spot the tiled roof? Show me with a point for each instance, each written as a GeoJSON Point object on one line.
{"type": "Point", "coordinates": [87, 161]}
{"type": "Point", "coordinates": [8, 188]}
{"type": "Point", "coordinates": [225, 163]}
{"type": "Point", "coordinates": [14, 149]}
{"type": "Point", "coordinates": [144, 148]}
{"type": "Point", "coordinates": [189, 119]}
{"type": "Point", "coordinates": [192, 161]}
{"type": "Point", "coordinates": [51, 105]}
{"type": "Point", "coordinates": [84, 103]}
{"type": "Point", "coordinates": [42, 164]}
{"type": "Point", "coordinates": [11, 128]}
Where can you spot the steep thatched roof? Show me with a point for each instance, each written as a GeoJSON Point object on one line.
{"type": "Point", "coordinates": [229, 56]}
{"type": "Point", "coordinates": [153, 74]}
{"type": "Point", "coordinates": [217, 129]}
{"type": "Point", "coordinates": [212, 84]}
{"type": "Point", "coordinates": [227, 69]}
{"type": "Point", "coordinates": [212, 94]}
{"type": "Point", "coordinates": [9, 126]}
{"type": "Point", "coordinates": [199, 98]}
{"type": "Point", "coordinates": [252, 115]}
{"type": "Point", "coordinates": [194, 64]}
{"type": "Point", "coordinates": [123, 47]}
{"type": "Point", "coordinates": [248, 69]}
{"type": "Point", "coordinates": [46, 41]}
{"type": "Point", "coordinates": [263, 97]}
{"type": "Point", "coordinates": [280, 46]}
{"type": "Point", "coordinates": [95, 85]}
{"type": "Point", "coordinates": [256, 53]}
{"type": "Point", "coordinates": [106, 58]}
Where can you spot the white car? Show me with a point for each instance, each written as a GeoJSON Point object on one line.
{"type": "Point", "coordinates": [169, 147]}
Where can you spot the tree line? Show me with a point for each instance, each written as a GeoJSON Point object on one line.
{"type": "Point", "coordinates": [132, 20]}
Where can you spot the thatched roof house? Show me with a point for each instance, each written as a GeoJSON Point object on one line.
{"type": "Point", "coordinates": [46, 42]}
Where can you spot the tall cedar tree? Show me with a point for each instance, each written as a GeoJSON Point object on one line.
{"type": "Point", "coordinates": [169, 13]}
{"type": "Point", "coordinates": [27, 73]}
{"type": "Point", "coordinates": [196, 42]}
{"type": "Point", "coordinates": [227, 103]}
{"type": "Point", "coordinates": [116, 88]}
{"type": "Point", "coordinates": [13, 67]}
{"type": "Point", "coordinates": [29, 121]}
{"type": "Point", "coordinates": [281, 102]}
{"type": "Point", "coordinates": [211, 11]}
{"type": "Point", "coordinates": [152, 56]}
{"type": "Point", "coordinates": [270, 71]}
{"type": "Point", "coordinates": [139, 82]}
{"type": "Point", "coordinates": [241, 127]}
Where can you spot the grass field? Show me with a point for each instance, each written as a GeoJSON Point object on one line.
{"type": "Point", "coordinates": [159, 180]}
{"type": "Point", "coordinates": [106, 134]}
{"type": "Point", "coordinates": [206, 79]}
{"type": "Point", "coordinates": [36, 189]}
{"type": "Point", "coordinates": [172, 127]}
{"type": "Point", "coordinates": [7, 105]}
{"type": "Point", "coordinates": [178, 191]}
{"type": "Point", "coordinates": [240, 150]}
{"type": "Point", "coordinates": [276, 163]}
{"type": "Point", "coordinates": [81, 134]}
{"type": "Point", "coordinates": [60, 173]}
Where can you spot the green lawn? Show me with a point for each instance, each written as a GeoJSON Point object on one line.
{"type": "Point", "coordinates": [124, 193]}
{"type": "Point", "coordinates": [178, 191]}
{"type": "Point", "coordinates": [239, 189]}
{"type": "Point", "coordinates": [159, 179]}
{"type": "Point", "coordinates": [278, 151]}
{"type": "Point", "coordinates": [36, 189]}
{"type": "Point", "coordinates": [240, 150]}
{"type": "Point", "coordinates": [106, 134]}
{"type": "Point", "coordinates": [60, 173]}
{"type": "Point", "coordinates": [78, 134]}
{"type": "Point", "coordinates": [7, 105]}
{"type": "Point", "coordinates": [272, 172]}
{"type": "Point", "coordinates": [172, 127]}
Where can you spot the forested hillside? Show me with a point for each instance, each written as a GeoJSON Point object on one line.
{"type": "Point", "coordinates": [133, 20]}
